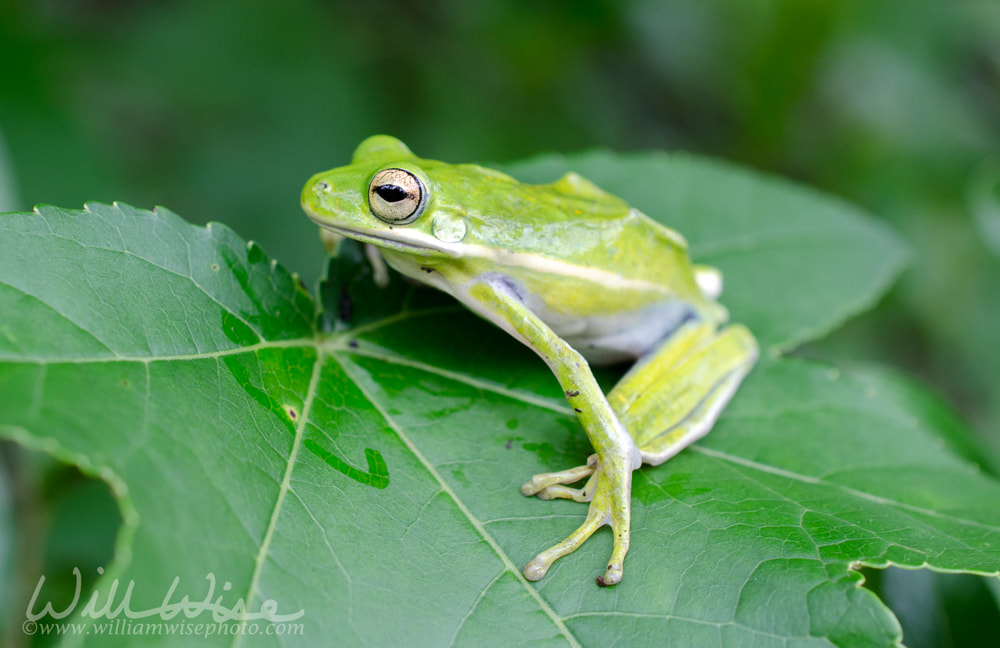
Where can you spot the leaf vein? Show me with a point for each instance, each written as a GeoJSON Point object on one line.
{"type": "Point", "coordinates": [846, 489]}
{"type": "Point", "coordinates": [252, 590]}
{"type": "Point", "coordinates": [351, 370]}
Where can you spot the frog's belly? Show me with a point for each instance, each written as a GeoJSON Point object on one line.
{"type": "Point", "coordinates": [607, 339]}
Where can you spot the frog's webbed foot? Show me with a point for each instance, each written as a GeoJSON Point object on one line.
{"type": "Point", "coordinates": [609, 492]}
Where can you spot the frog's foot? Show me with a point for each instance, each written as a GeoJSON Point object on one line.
{"type": "Point", "coordinates": [551, 485]}
{"type": "Point", "coordinates": [609, 491]}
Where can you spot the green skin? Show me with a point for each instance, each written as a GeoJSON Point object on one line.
{"type": "Point", "coordinates": [577, 275]}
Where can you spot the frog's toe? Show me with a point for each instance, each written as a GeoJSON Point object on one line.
{"type": "Point", "coordinates": [609, 504]}
{"type": "Point", "coordinates": [536, 569]}
{"type": "Point", "coordinates": [616, 566]}
{"type": "Point", "coordinates": [558, 491]}
{"type": "Point", "coordinates": [612, 576]}
{"type": "Point", "coordinates": [538, 566]}
{"type": "Point", "coordinates": [545, 482]}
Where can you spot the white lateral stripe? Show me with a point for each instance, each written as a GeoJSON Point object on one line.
{"type": "Point", "coordinates": [504, 257]}
{"type": "Point", "coordinates": [549, 265]}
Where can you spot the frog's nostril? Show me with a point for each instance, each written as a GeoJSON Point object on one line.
{"type": "Point", "coordinates": [322, 186]}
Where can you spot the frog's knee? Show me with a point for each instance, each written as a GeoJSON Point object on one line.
{"type": "Point", "coordinates": [635, 456]}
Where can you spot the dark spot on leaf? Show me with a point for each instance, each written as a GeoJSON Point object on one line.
{"type": "Point", "coordinates": [345, 306]}
{"type": "Point", "coordinates": [571, 394]}
{"type": "Point", "coordinates": [215, 267]}
{"type": "Point", "coordinates": [426, 269]}
{"type": "Point", "coordinates": [353, 344]}
{"type": "Point", "coordinates": [577, 410]}
{"type": "Point", "coordinates": [126, 383]}
{"type": "Point", "coordinates": [509, 444]}
{"type": "Point", "coordinates": [292, 414]}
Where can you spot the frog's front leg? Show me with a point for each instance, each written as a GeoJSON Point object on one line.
{"type": "Point", "coordinates": [616, 453]}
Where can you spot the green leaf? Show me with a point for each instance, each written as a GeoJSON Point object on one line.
{"type": "Point", "coordinates": [369, 476]}
{"type": "Point", "coordinates": [983, 197]}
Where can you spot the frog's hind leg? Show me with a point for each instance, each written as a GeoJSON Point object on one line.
{"type": "Point", "coordinates": [672, 397]}
{"type": "Point", "coordinates": [667, 401]}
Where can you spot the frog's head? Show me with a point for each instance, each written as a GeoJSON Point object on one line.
{"type": "Point", "coordinates": [389, 197]}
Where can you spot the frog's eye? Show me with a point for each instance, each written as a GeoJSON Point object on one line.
{"type": "Point", "coordinates": [396, 196]}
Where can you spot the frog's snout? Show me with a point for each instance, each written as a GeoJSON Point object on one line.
{"type": "Point", "coordinates": [315, 196]}
{"type": "Point", "coordinates": [317, 186]}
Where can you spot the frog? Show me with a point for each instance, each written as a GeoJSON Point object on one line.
{"type": "Point", "coordinates": [581, 278]}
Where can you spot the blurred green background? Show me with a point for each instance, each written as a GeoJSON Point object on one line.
{"type": "Point", "coordinates": [221, 110]}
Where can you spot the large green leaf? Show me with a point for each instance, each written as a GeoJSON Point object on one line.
{"type": "Point", "coordinates": [369, 476]}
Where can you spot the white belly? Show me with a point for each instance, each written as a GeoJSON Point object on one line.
{"type": "Point", "coordinates": [607, 339]}
{"type": "Point", "coordinates": [601, 339]}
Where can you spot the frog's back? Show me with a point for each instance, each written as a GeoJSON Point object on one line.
{"type": "Point", "coordinates": [605, 277]}
{"type": "Point", "coordinates": [578, 223]}
{"type": "Point", "coordinates": [587, 230]}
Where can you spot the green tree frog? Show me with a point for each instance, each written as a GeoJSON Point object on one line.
{"type": "Point", "coordinates": [578, 276]}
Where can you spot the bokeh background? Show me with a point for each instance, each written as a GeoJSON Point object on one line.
{"type": "Point", "coordinates": [221, 110]}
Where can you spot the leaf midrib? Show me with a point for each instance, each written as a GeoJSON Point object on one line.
{"type": "Point", "coordinates": [351, 370]}
{"type": "Point", "coordinates": [259, 346]}
{"type": "Point", "coordinates": [252, 589]}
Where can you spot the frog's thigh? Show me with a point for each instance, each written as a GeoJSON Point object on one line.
{"type": "Point", "coordinates": [673, 396]}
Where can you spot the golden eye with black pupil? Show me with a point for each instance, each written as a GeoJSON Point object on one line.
{"type": "Point", "coordinates": [396, 196]}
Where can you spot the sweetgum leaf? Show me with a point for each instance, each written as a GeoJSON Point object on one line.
{"type": "Point", "coordinates": [361, 465]}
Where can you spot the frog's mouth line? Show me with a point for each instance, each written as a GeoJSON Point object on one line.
{"type": "Point", "coordinates": [383, 238]}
